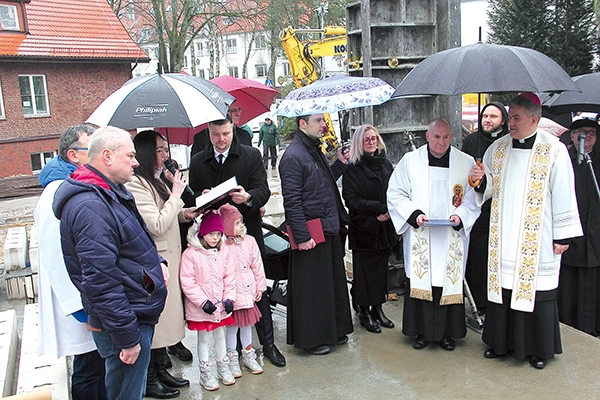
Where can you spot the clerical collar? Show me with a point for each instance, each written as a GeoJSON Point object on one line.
{"type": "Point", "coordinates": [525, 143]}
{"type": "Point", "coordinates": [442, 162]}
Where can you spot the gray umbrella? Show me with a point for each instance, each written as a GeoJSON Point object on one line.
{"type": "Point", "coordinates": [587, 100]}
{"type": "Point", "coordinates": [485, 68]}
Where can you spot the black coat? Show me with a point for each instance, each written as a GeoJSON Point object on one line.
{"type": "Point", "coordinates": [364, 190]}
{"type": "Point", "coordinates": [309, 188]}
{"type": "Point", "coordinates": [243, 162]}
{"type": "Point", "coordinates": [584, 251]}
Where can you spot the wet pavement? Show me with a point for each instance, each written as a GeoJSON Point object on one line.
{"type": "Point", "coordinates": [385, 366]}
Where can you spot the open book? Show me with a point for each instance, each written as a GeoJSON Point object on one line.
{"type": "Point", "coordinates": [216, 194]}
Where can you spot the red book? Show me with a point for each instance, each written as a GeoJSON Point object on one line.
{"type": "Point", "coordinates": [314, 228]}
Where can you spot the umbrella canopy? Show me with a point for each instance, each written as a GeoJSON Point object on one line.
{"type": "Point", "coordinates": [252, 97]}
{"type": "Point", "coordinates": [485, 68]}
{"type": "Point", "coordinates": [587, 100]}
{"type": "Point", "coordinates": [334, 94]}
{"type": "Point", "coordinates": [163, 100]}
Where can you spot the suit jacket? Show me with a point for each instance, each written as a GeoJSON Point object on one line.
{"type": "Point", "coordinates": [245, 163]}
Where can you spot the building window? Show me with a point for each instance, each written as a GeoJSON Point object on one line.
{"type": "Point", "coordinates": [231, 46]}
{"type": "Point", "coordinates": [2, 115]}
{"type": "Point", "coordinates": [286, 69]}
{"type": "Point", "coordinates": [260, 41]}
{"type": "Point", "coordinates": [185, 61]}
{"type": "Point", "coordinates": [200, 48]}
{"type": "Point", "coordinates": [9, 18]}
{"type": "Point", "coordinates": [233, 72]}
{"type": "Point", "coordinates": [146, 34]}
{"type": "Point", "coordinates": [229, 20]}
{"type": "Point", "coordinates": [261, 70]}
{"type": "Point", "coordinates": [200, 73]}
{"type": "Point", "coordinates": [34, 96]}
{"type": "Point", "coordinates": [38, 160]}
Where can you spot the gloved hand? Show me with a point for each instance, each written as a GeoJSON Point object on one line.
{"type": "Point", "coordinates": [228, 306]}
{"type": "Point", "coordinates": [209, 307]}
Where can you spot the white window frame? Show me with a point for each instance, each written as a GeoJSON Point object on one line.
{"type": "Point", "coordinates": [33, 96]}
{"type": "Point", "coordinates": [43, 160]}
{"type": "Point", "coordinates": [2, 114]}
{"type": "Point", "coordinates": [261, 70]}
{"type": "Point", "coordinates": [200, 48]}
{"type": "Point", "coordinates": [233, 72]}
{"type": "Point", "coordinates": [261, 42]}
{"type": "Point", "coordinates": [5, 8]}
{"type": "Point", "coordinates": [231, 46]}
{"type": "Point", "coordinates": [286, 69]}
{"type": "Point", "coordinates": [200, 73]}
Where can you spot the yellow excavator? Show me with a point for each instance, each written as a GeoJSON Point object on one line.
{"type": "Point", "coordinates": [305, 67]}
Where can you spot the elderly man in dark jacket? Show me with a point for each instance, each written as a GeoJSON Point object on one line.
{"type": "Point", "coordinates": [112, 260]}
{"type": "Point", "coordinates": [318, 314]}
{"type": "Point", "coordinates": [493, 124]}
{"type": "Point", "coordinates": [222, 159]}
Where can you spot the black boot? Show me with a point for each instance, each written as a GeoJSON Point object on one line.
{"type": "Point", "coordinates": [380, 317]}
{"type": "Point", "coordinates": [181, 352]}
{"type": "Point", "coordinates": [154, 387]}
{"type": "Point", "coordinates": [366, 320]}
{"type": "Point", "coordinates": [160, 362]}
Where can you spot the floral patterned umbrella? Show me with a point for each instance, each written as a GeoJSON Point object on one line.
{"type": "Point", "coordinates": [334, 94]}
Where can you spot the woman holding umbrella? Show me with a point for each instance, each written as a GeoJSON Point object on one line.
{"type": "Point", "coordinates": [371, 232]}
{"type": "Point", "coordinates": [162, 210]}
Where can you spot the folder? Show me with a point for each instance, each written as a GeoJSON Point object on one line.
{"type": "Point", "coordinates": [314, 228]}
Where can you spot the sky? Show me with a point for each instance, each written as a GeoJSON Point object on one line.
{"type": "Point", "coordinates": [473, 16]}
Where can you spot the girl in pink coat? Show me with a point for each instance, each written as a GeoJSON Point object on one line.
{"type": "Point", "coordinates": [250, 285]}
{"type": "Point", "coordinates": [208, 281]}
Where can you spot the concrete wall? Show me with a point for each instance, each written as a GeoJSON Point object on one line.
{"type": "Point", "coordinates": [74, 92]}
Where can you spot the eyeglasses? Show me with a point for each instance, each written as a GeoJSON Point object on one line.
{"type": "Point", "coordinates": [591, 132]}
{"type": "Point", "coordinates": [79, 148]}
{"type": "Point", "coordinates": [235, 110]}
{"type": "Point", "coordinates": [370, 140]}
{"type": "Point", "coordinates": [162, 150]}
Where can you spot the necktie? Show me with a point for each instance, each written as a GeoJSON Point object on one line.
{"type": "Point", "coordinates": [221, 157]}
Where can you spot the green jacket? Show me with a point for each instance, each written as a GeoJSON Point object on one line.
{"type": "Point", "coordinates": [269, 135]}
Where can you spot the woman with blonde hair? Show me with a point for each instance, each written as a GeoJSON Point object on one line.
{"type": "Point", "coordinates": [371, 233]}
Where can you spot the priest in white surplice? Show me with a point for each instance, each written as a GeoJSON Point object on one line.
{"type": "Point", "coordinates": [430, 186]}
{"type": "Point", "coordinates": [529, 178]}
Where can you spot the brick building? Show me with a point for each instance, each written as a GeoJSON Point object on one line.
{"type": "Point", "coordinates": [58, 60]}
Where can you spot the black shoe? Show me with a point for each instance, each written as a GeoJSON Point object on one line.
{"type": "Point", "coordinates": [366, 320]}
{"type": "Point", "coordinates": [172, 381]}
{"type": "Point", "coordinates": [537, 362]}
{"type": "Point", "coordinates": [180, 351]}
{"type": "Point", "coordinates": [490, 353]}
{"type": "Point", "coordinates": [447, 343]}
{"type": "Point", "coordinates": [419, 343]}
{"type": "Point", "coordinates": [343, 339]}
{"type": "Point", "coordinates": [272, 353]}
{"type": "Point", "coordinates": [379, 316]}
{"type": "Point", "coordinates": [157, 390]}
{"type": "Point", "coordinates": [319, 350]}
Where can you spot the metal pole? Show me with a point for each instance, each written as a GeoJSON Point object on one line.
{"type": "Point", "coordinates": [365, 27]}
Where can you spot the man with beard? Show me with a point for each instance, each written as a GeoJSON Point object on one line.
{"type": "Point", "coordinates": [493, 124]}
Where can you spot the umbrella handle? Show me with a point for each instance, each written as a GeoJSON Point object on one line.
{"type": "Point", "coordinates": [475, 183]}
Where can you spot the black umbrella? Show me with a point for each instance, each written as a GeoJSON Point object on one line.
{"type": "Point", "coordinates": [163, 100]}
{"type": "Point", "coordinates": [485, 68]}
{"type": "Point", "coordinates": [587, 100]}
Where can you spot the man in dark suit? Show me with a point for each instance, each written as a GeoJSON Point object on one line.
{"type": "Point", "coordinates": [222, 159]}
{"type": "Point", "coordinates": [201, 139]}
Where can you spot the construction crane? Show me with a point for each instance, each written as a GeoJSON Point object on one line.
{"type": "Point", "coordinates": [305, 67]}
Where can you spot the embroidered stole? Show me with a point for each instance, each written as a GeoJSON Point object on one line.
{"type": "Point", "coordinates": [531, 220]}
{"type": "Point", "coordinates": [420, 273]}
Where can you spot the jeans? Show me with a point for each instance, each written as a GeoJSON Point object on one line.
{"type": "Point", "coordinates": [87, 382]}
{"type": "Point", "coordinates": [124, 381]}
{"type": "Point", "coordinates": [273, 150]}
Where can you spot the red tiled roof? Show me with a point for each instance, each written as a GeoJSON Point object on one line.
{"type": "Point", "coordinates": [71, 29]}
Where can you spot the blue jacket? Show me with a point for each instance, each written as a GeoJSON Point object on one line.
{"type": "Point", "coordinates": [309, 188]}
{"type": "Point", "coordinates": [110, 255]}
{"type": "Point", "coordinates": [56, 169]}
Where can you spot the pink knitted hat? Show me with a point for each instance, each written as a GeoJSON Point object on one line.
{"type": "Point", "coordinates": [211, 222]}
{"type": "Point", "coordinates": [229, 214]}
